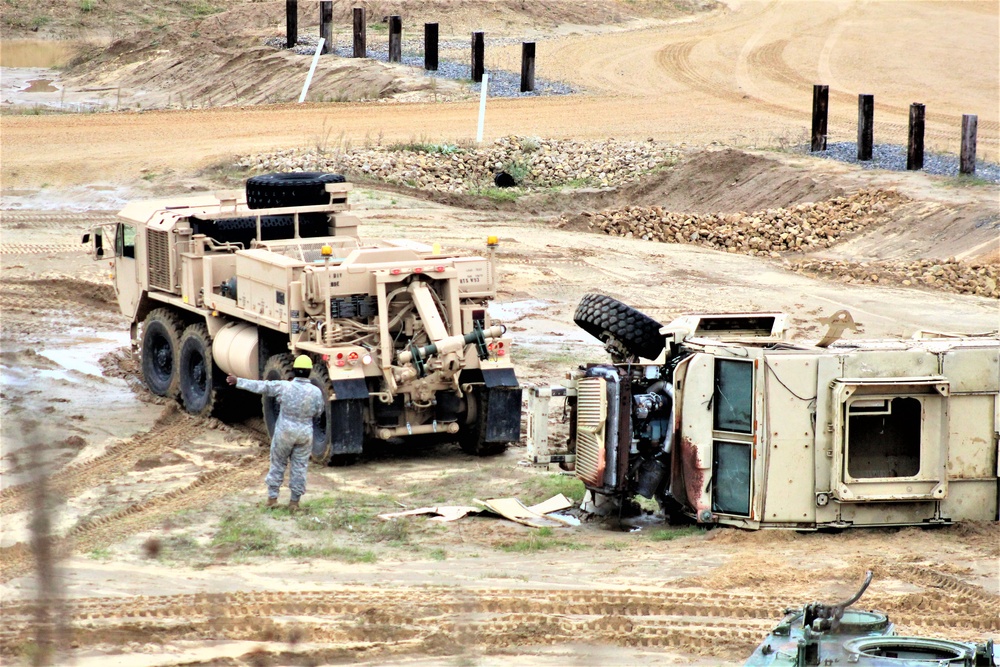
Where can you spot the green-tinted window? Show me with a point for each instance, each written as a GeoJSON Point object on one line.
{"type": "Point", "coordinates": [125, 241]}
{"type": "Point", "coordinates": [731, 478]}
{"type": "Point", "coordinates": [733, 397]}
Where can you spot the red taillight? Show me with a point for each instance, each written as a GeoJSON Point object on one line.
{"type": "Point", "coordinates": [396, 272]}
{"type": "Point", "coordinates": [439, 269]}
{"type": "Point", "coordinates": [340, 359]}
{"type": "Point", "coordinates": [417, 269]}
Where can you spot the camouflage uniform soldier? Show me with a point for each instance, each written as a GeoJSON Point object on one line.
{"type": "Point", "coordinates": [300, 402]}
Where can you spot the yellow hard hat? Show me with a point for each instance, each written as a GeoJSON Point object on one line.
{"type": "Point", "coordinates": [303, 361]}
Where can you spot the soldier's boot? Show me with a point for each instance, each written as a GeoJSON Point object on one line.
{"type": "Point", "coordinates": [293, 506]}
{"type": "Point", "coordinates": [271, 502]}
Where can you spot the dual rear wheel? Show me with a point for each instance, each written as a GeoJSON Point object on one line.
{"type": "Point", "coordinates": [177, 363]}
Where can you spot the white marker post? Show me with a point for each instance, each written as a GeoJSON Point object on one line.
{"type": "Point", "coordinates": [312, 70]}
{"type": "Point", "coordinates": [482, 107]}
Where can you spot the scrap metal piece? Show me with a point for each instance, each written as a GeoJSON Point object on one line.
{"type": "Point", "coordinates": [836, 325]}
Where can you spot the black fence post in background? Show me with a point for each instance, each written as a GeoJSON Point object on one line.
{"type": "Point", "coordinates": [291, 23]}
{"type": "Point", "coordinates": [967, 161]}
{"type": "Point", "coordinates": [326, 25]}
{"type": "Point", "coordinates": [866, 129]}
{"type": "Point", "coordinates": [527, 66]}
{"type": "Point", "coordinates": [821, 100]}
{"type": "Point", "coordinates": [915, 139]}
{"type": "Point", "coordinates": [360, 48]}
{"type": "Point", "coordinates": [478, 49]}
{"type": "Point", "coordinates": [395, 38]}
{"type": "Point", "coordinates": [431, 46]}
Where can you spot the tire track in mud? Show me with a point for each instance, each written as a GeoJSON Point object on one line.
{"type": "Point", "coordinates": [171, 427]}
{"type": "Point", "coordinates": [17, 559]}
{"type": "Point", "coordinates": [37, 248]}
{"type": "Point", "coordinates": [704, 621]}
{"type": "Point", "coordinates": [53, 220]}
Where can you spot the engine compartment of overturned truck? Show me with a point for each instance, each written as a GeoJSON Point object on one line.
{"type": "Point", "coordinates": [399, 333]}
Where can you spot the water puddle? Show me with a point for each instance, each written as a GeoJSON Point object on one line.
{"type": "Point", "coordinates": [82, 355]}
{"type": "Point", "coordinates": [511, 311]}
{"type": "Point", "coordinates": [40, 86]}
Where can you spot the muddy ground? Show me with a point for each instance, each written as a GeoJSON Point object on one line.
{"type": "Point", "coordinates": [160, 554]}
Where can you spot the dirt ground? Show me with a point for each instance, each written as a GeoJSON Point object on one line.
{"type": "Point", "coordinates": [161, 554]}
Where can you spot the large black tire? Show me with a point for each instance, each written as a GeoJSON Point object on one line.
{"type": "Point", "coordinates": [472, 434]}
{"type": "Point", "coordinates": [611, 320]}
{"type": "Point", "coordinates": [307, 188]}
{"type": "Point", "coordinates": [278, 367]}
{"type": "Point", "coordinates": [203, 384]}
{"type": "Point", "coordinates": [161, 334]}
{"type": "Point", "coordinates": [320, 377]}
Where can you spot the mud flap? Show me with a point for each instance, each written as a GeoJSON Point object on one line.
{"type": "Point", "coordinates": [503, 414]}
{"type": "Point", "coordinates": [347, 426]}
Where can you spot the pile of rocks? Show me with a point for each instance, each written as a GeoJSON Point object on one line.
{"type": "Point", "coordinates": [949, 275]}
{"type": "Point", "coordinates": [801, 227]}
{"type": "Point", "coordinates": [534, 163]}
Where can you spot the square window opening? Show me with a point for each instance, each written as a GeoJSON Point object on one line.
{"type": "Point", "coordinates": [731, 478]}
{"type": "Point", "coordinates": [884, 442]}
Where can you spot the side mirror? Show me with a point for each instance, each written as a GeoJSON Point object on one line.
{"type": "Point", "coordinates": [96, 241]}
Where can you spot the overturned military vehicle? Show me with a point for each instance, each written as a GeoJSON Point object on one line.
{"type": "Point", "coordinates": [725, 421]}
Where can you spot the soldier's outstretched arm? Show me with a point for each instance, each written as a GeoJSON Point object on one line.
{"type": "Point", "coordinates": [267, 388]}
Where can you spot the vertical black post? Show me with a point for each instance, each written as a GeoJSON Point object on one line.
{"type": "Point", "coordinates": [395, 38]}
{"type": "Point", "coordinates": [360, 48]}
{"type": "Point", "coordinates": [326, 25]}
{"type": "Point", "coordinates": [967, 161]}
{"type": "Point", "coordinates": [477, 57]}
{"type": "Point", "coordinates": [291, 23]}
{"type": "Point", "coordinates": [866, 130]}
{"type": "Point", "coordinates": [915, 140]}
{"type": "Point", "coordinates": [821, 100]}
{"type": "Point", "coordinates": [431, 46]}
{"type": "Point", "coordinates": [527, 66]}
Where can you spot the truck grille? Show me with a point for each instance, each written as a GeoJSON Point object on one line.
{"type": "Point", "coordinates": [591, 417]}
{"type": "Point", "coordinates": [158, 245]}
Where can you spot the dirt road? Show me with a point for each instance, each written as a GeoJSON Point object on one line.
{"type": "Point", "coordinates": [738, 76]}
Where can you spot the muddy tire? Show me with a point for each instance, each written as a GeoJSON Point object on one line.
{"type": "Point", "coordinates": [290, 189]}
{"type": "Point", "coordinates": [611, 320]}
{"type": "Point", "coordinates": [160, 348]}
{"type": "Point", "coordinates": [320, 376]}
{"type": "Point", "coordinates": [278, 367]}
{"type": "Point", "coordinates": [472, 436]}
{"type": "Point", "coordinates": [202, 384]}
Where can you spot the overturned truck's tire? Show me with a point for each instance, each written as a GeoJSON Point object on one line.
{"type": "Point", "coordinates": [608, 319]}
{"type": "Point", "coordinates": [307, 188]}
{"type": "Point", "coordinates": [161, 336]}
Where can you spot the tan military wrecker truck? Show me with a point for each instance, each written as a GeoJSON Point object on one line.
{"type": "Point", "coordinates": [400, 334]}
{"type": "Point", "coordinates": [725, 421]}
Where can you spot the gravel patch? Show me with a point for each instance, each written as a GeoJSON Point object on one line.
{"type": "Point", "coordinates": [501, 82]}
{"type": "Point", "coordinates": [892, 157]}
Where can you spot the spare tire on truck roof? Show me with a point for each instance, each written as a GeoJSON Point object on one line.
{"type": "Point", "coordinates": [299, 188]}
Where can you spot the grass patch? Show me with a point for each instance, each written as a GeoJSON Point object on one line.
{"type": "Point", "coordinates": [965, 181]}
{"type": "Point", "coordinates": [540, 540]}
{"type": "Point", "coordinates": [542, 487]}
{"type": "Point", "coordinates": [100, 553]}
{"type": "Point", "coordinates": [244, 532]}
{"type": "Point", "coordinates": [667, 534]}
{"type": "Point", "coordinates": [496, 194]}
{"type": "Point", "coordinates": [346, 554]}
{"type": "Point", "coordinates": [86, 6]}
{"type": "Point", "coordinates": [424, 147]}
{"type": "Point", "coordinates": [438, 554]}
